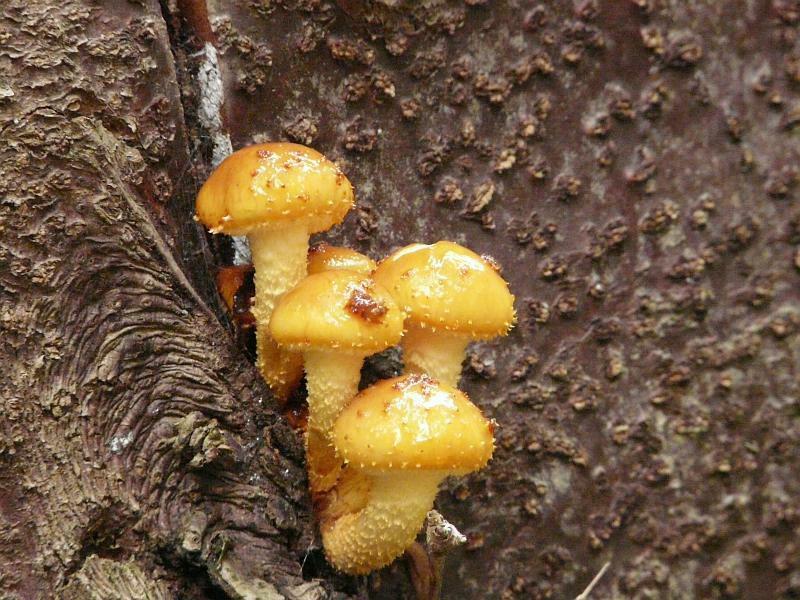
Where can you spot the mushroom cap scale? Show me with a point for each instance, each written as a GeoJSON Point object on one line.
{"type": "Point", "coordinates": [447, 286]}
{"type": "Point", "coordinates": [337, 310]}
{"type": "Point", "coordinates": [413, 422]}
{"type": "Point", "coordinates": [268, 185]}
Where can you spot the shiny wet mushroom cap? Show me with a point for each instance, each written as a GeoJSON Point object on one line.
{"type": "Point", "coordinates": [337, 310]}
{"type": "Point", "coordinates": [274, 185]}
{"type": "Point", "coordinates": [451, 296]}
{"type": "Point", "coordinates": [414, 422]}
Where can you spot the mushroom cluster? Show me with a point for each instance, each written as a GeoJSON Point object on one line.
{"type": "Point", "coordinates": [375, 458]}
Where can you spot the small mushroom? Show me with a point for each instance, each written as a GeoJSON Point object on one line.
{"type": "Point", "coordinates": [277, 195]}
{"type": "Point", "coordinates": [336, 319]}
{"type": "Point", "coordinates": [400, 438]}
{"type": "Point", "coordinates": [324, 257]}
{"type": "Point", "coordinates": [451, 296]}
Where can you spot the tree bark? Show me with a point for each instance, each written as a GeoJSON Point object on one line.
{"type": "Point", "coordinates": [132, 427]}
{"type": "Point", "coordinates": [632, 165]}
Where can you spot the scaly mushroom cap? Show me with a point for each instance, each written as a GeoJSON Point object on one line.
{"type": "Point", "coordinates": [268, 185]}
{"type": "Point", "coordinates": [413, 422]}
{"type": "Point", "coordinates": [324, 257]}
{"type": "Point", "coordinates": [447, 286]}
{"type": "Point", "coordinates": [337, 309]}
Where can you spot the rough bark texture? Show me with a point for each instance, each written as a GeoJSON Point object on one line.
{"type": "Point", "coordinates": [632, 165]}
{"type": "Point", "coordinates": [132, 428]}
{"type": "Point", "coordinates": [105, 579]}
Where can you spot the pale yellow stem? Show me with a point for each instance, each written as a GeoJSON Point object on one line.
{"type": "Point", "coordinates": [350, 495]}
{"type": "Point", "coordinates": [437, 353]}
{"type": "Point", "coordinates": [279, 261]}
{"type": "Point", "coordinates": [281, 368]}
{"type": "Point", "coordinates": [332, 378]}
{"type": "Point", "coordinates": [374, 536]}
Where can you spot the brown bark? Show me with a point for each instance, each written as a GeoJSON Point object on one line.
{"type": "Point", "coordinates": [132, 427]}
{"type": "Point", "coordinates": [632, 165]}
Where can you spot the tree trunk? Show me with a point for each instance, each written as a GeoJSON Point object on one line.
{"type": "Point", "coordinates": [632, 165]}
{"type": "Point", "coordinates": [132, 427]}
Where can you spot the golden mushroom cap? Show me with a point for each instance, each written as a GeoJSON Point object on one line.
{"type": "Point", "coordinates": [337, 309]}
{"type": "Point", "coordinates": [447, 286]}
{"type": "Point", "coordinates": [269, 185]}
{"type": "Point", "coordinates": [413, 422]}
{"type": "Point", "coordinates": [324, 257]}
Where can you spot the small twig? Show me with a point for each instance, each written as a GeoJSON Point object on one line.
{"type": "Point", "coordinates": [427, 564]}
{"type": "Point", "coordinates": [593, 582]}
{"type": "Point", "coordinates": [420, 569]}
{"type": "Point", "coordinates": [440, 535]}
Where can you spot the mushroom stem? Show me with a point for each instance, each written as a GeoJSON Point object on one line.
{"type": "Point", "coordinates": [332, 379]}
{"type": "Point", "coordinates": [439, 353]}
{"type": "Point", "coordinates": [279, 260]}
{"type": "Point", "coordinates": [374, 536]}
